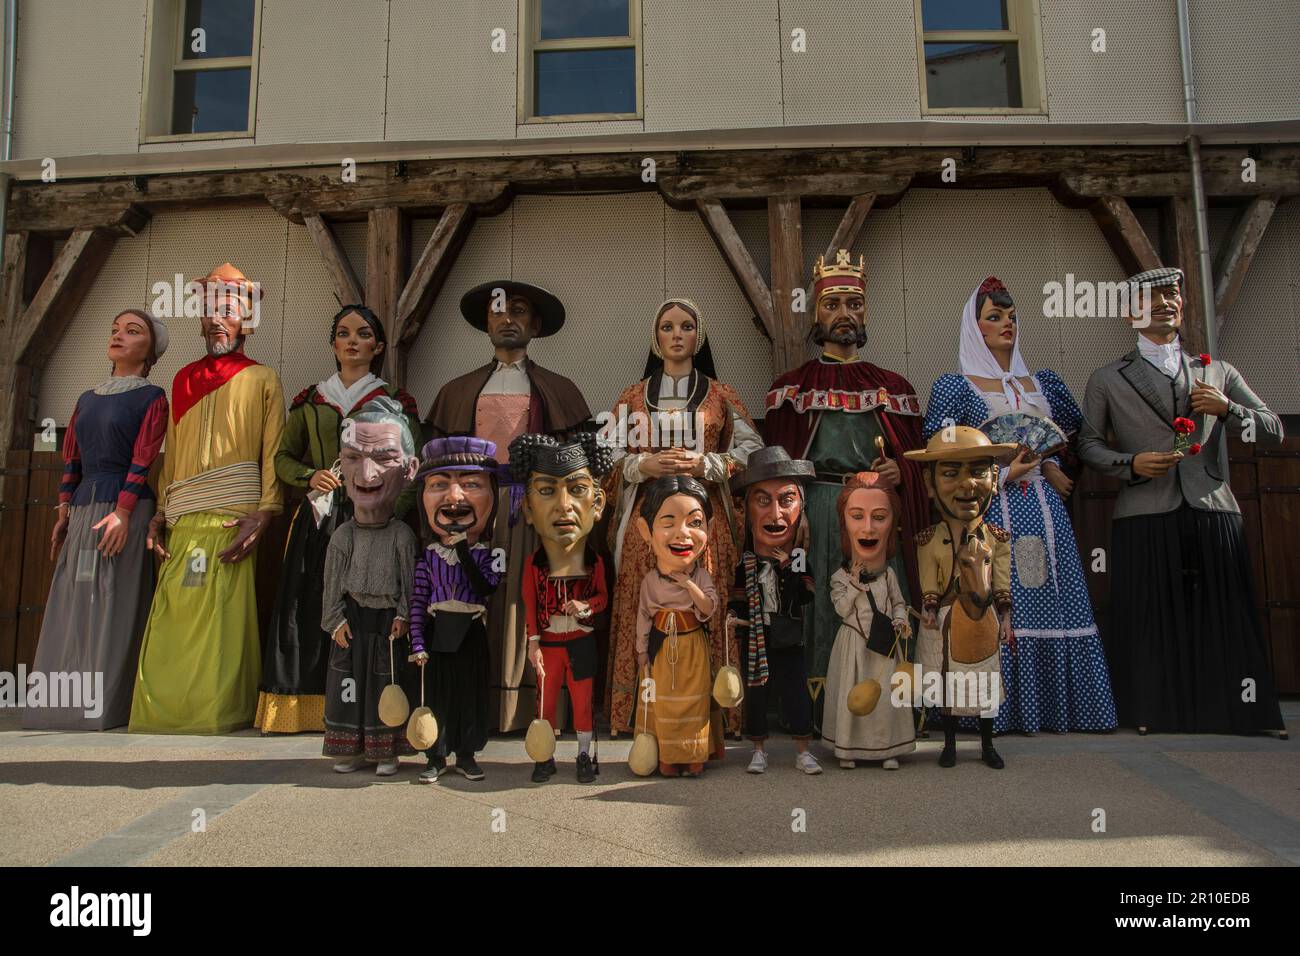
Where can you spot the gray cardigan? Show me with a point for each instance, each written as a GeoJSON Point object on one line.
{"type": "Point", "coordinates": [1138, 403]}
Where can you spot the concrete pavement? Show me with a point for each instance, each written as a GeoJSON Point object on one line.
{"type": "Point", "coordinates": [120, 799]}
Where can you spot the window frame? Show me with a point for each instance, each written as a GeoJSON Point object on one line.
{"type": "Point", "coordinates": [1024, 28]}
{"type": "Point", "coordinates": [530, 43]}
{"type": "Point", "coordinates": [163, 60]}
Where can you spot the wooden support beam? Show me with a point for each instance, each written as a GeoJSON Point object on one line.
{"type": "Point", "coordinates": [1238, 253]}
{"type": "Point", "coordinates": [346, 287]}
{"type": "Point", "coordinates": [846, 233]}
{"type": "Point", "coordinates": [431, 271]}
{"type": "Point", "coordinates": [387, 247]}
{"type": "Point", "coordinates": [785, 236]}
{"type": "Point", "coordinates": [1124, 234]}
{"type": "Point", "coordinates": [43, 322]}
{"type": "Point", "coordinates": [741, 264]}
{"type": "Point", "coordinates": [1178, 241]}
{"type": "Point", "coordinates": [12, 305]}
{"type": "Point", "coordinates": [737, 183]}
{"type": "Point", "coordinates": [410, 195]}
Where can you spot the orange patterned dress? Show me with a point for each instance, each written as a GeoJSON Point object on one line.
{"type": "Point", "coordinates": [636, 560]}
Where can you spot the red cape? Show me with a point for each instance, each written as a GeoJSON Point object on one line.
{"type": "Point", "coordinates": [843, 383]}
{"type": "Point", "coordinates": [206, 375]}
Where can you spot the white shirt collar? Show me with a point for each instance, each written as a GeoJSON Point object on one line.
{"type": "Point", "coordinates": [670, 387]}
{"type": "Point", "coordinates": [1167, 358]}
{"type": "Point", "coordinates": [516, 366]}
{"type": "Point", "coordinates": [449, 555]}
{"type": "Point", "coordinates": [344, 397]}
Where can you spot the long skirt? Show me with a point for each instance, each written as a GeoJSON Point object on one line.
{"type": "Point", "coordinates": [95, 618]}
{"type": "Point", "coordinates": [681, 712]}
{"type": "Point", "coordinates": [297, 649]}
{"type": "Point", "coordinates": [1056, 678]}
{"type": "Point", "coordinates": [200, 658]}
{"type": "Point", "coordinates": [513, 686]}
{"type": "Point", "coordinates": [456, 690]}
{"type": "Point", "coordinates": [885, 732]}
{"type": "Point", "coordinates": [356, 677]}
{"type": "Point", "coordinates": [1185, 646]}
{"type": "Point", "coordinates": [964, 689]}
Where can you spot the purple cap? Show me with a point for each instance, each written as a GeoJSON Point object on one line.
{"type": "Point", "coordinates": [458, 453]}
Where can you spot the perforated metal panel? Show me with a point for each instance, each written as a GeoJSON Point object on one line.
{"type": "Point", "coordinates": [309, 305]}
{"type": "Point", "coordinates": [444, 81]}
{"type": "Point", "coordinates": [77, 77]}
{"type": "Point", "coordinates": [711, 65]}
{"type": "Point", "coordinates": [1261, 335]}
{"type": "Point", "coordinates": [694, 268]}
{"type": "Point", "coordinates": [859, 65]}
{"type": "Point", "coordinates": [1244, 53]}
{"type": "Point", "coordinates": [1137, 79]}
{"type": "Point", "coordinates": [81, 360]}
{"type": "Point", "coordinates": [320, 76]}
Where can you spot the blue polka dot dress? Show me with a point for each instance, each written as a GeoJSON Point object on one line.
{"type": "Point", "coordinates": [1056, 679]}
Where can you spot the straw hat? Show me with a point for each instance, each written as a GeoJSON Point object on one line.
{"type": "Point", "coordinates": [963, 443]}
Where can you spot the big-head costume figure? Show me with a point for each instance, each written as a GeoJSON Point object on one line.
{"type": "Point", "coordinates": [964, 565]}
{"type": "Point", "coordinates": [365, 604]}
{"type": "Point", "coordinates": [200, 659]}
{"type": "Point", "coordinates": [1186, 649]}
{"type": "Point", "coordinates": [564, 580]}
{"type": "Point", "coordinates": [838, 411]}
{"type": "Point", "coordinates": [770, 596]}
{"type": "Point", "coordinates": [509, 396]}
{"type": "Point", "coordinates": [455, 577]}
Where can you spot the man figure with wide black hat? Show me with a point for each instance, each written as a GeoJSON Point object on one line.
{"type": "Point", "coordinates": [509, 396]}
{"type": "Point", "coordinates": [1185, 646]}
{"type": "Point", "coordinates": [770, 598]}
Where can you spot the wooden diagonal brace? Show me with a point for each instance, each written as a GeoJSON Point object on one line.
{"type": "Point", "coordinates": [431, 270]}
{"type": "Point", "coordinates": [1124, 234]}
{"type": "Point", "coordinates": [740, 262]}
{"type": "Point", "coordinates": [346, 287]}
{"type": "Point", "coordinates": [1238, 253]}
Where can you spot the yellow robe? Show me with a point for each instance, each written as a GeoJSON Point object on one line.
{"type": "Point", "coordinates": [200, 660]}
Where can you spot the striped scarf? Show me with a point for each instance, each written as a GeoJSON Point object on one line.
{"type": "Point", "coordinates": [757, 670]}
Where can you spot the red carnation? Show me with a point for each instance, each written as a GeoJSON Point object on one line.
{"type": "Point", "coordinates": [1195, 448]}
{"type": "Point", "coordinates": [1184, 426]}
{"type": "Point", "coordinates": [1205, 359]}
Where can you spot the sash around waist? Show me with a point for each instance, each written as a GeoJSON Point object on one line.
{"type": "Point", "coordinates": [220, 489]}
{"type": "Point", "coordinates": [684, 620]}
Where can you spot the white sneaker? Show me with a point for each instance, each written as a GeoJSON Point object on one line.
{"type": "Point", "coordinates": [757, 763]}
{"type": "Point", "coordinates": [891, 763]}
{"type": "Point", "coordinates": [348, 764]}
{"type": "Point", "coordinates": [386, 768]}
{"type": "Point", "coordinates": [807, 763]}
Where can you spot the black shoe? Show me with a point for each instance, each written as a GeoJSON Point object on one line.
{"type": "Point", "coordinates": [543, 772]}
{"type": "Point", "coordinates": [468, 768]}
{"type": "Point", "coordinates": [585, 772]}
{"type": "Point", "coordinates": [991, 758]}
{"type": "Point", "coordinates": [948, 756]}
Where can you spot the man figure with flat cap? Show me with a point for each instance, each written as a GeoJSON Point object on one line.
{"type": "Point", "coordinates": [509, 396]}
{"type": "Point", "coordinates": [1186, 650]}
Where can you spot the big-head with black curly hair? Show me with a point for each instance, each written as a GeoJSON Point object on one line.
{"type": "Point", "coordinates": [563, 499]}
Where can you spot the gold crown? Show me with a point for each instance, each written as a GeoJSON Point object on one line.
{"type": "Point", "coordinates": [843, 266]}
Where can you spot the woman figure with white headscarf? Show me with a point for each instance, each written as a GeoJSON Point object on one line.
{"type": "Point", "coordinates": [1055, 677]}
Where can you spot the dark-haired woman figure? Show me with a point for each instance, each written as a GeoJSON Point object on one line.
{"type": "Point", "coordinates": [99, 599]}
{"type": "Point", "coordinates": [1055, 674]}
{"type": "Point", "coordinates": [677, 597]}
{"type": "Point", "coordinates": [297, 650]}
{"type": "Point", "coordinates": [679, 420]}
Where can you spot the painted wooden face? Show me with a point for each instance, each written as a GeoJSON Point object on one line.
{"type": "Point", "coordinates": [869, 523]}
{"type": "Point", "coordinates": [773, 508]}
{"type": "Point", "coordinates": [355, 342]}
{"type": "Point", "coordinates": [1158, 309]}
{"type": "Point", "coordinates": [458, 502]}
{"type": "Point", "coordinates": [224, 318]}
{"type": "Point", "coordinates": [677, 333]}
{"type": "Point", "coordinates": [564, 510]}
{"type": "Point", "coordinates": [679, 535]}
{"type": "Point", "coordinates": [375, 469]}
{"type": "Point", "coordinates": [998, 326]}
{"type": "Point", "coordinates": [514, 325]}
{"type": "Point", "coordinates": [963, 489]}
{"type": "Point", "coordinates": [841, 317]}
{"type": "Point", "coordinates": [130, 340]}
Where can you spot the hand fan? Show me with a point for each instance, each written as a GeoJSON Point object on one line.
{"type": "Point", "coordinates": [1039, 435]}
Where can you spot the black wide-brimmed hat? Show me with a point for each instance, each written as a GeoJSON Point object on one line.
{"type": "Point", "coordinates": [549, 309]}
{"type": "Point", "coordinates": [772, 461]}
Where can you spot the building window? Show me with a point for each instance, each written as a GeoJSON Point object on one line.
{"type": "Point", "coordinates": [201, 69]}
{"type": "Point", "coordinates": [579, 60]}
{"type": "Point", "coordinates": [979, 56]}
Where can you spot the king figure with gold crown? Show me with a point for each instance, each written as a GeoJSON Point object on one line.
{"type": "Point", "coordinates": [846, 415]}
